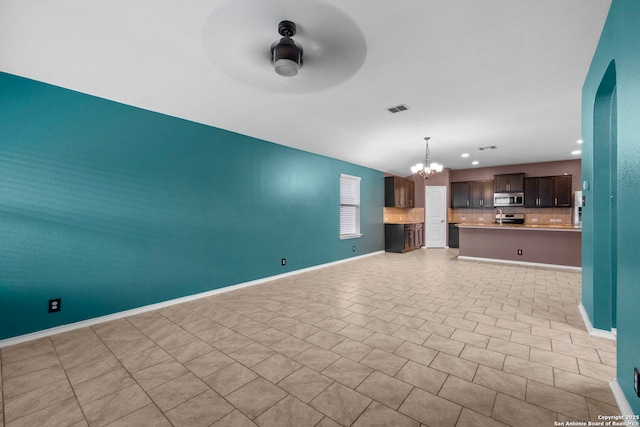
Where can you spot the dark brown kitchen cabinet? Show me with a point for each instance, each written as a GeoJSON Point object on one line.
{"type": "Point", "coordinates": [547, 192]}
{"type": "Point", "coordinates": [418, 235]}
{"type": "Point", "coordinates": [538, 192]}
{"type": "Point", "coordinates": [472, 194]}
{"type": "Point", "coordinates": [399, 192]}
{"type": "Point", "coordinates": [402, 238]}
{"type": "Point", "coordinates": [411, 192]}
{"type": "Point", "coordinates": [481, 194]}
{"type": "Point", "coordinates": [460, 195]}
{"type": "Point", "coordinates": [562, 191]}
{"type": "Point", "coordinates": [508, 183]}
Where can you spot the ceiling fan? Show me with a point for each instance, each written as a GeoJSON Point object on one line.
{"type": "Point", "coordinates": [237, 38]}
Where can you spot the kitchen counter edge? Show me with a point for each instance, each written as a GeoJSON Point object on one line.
{"type": "Point", "coordinates": [545, 227]}
{"type": "Point", "coordinates": [405, 222]}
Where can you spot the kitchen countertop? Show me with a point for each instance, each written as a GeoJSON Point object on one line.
{"type": "Point", "coordinates": [547, 227]}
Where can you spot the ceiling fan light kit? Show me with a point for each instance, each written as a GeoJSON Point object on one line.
{"type": "Point", "coordinates": [286, 54]}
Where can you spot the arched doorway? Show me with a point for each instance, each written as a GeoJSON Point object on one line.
{"type": "Point", "coordinates": [605, 201]}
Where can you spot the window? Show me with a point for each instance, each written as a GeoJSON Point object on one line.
{"type": "Point", "coordinates": [349, 206]}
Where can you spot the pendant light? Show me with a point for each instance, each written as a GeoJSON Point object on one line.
{"type": "Point", "coordinates": [426, 169]}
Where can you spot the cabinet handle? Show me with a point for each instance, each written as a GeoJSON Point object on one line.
{"type": "Point", "coordinates": [556, 201]}
{"type": "Point", "coordinates": [467, 203]}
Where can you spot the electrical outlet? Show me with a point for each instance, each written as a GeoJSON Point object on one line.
{"type": "Point", "coordinates": [519, 251]}
{"type": "Point", "coordinates": [353, 248]}
{"type": "Point", "coordinates": [284, 261]}
{"type": "Point", "coordinates": [54, 305]}
{"type": "Point", "coordinates": [636, 381]}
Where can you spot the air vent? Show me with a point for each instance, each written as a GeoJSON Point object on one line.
{"type": "Point", "coordinates": [490, 147]}
{"type": "Point", "coordinates": [398, 108]}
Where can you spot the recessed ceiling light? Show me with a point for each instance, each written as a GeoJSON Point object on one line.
{"type": "Point", "coordinates": [475, 162]}
{"type": "Point", "coordinates": [575, 152]}
{"type": "Point", "coordinates": [465, 155]}
{"type": "Point", "coordinates": [579, 141]}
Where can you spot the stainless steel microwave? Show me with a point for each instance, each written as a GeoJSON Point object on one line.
{"type": "Point", "coordinates": [508, 199]}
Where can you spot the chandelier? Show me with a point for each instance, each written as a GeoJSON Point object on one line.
{"type": "Point", "coordinates": [426, 169]}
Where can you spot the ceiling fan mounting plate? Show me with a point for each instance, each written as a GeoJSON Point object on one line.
{"type": "Point", "coordinates": [287, 29]}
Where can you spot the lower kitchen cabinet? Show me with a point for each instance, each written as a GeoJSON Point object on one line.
{"type": "Point", "coordinates": [402, 238]}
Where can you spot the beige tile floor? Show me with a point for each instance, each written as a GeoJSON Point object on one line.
{"type": "Point", "coordinates": [419, 339]}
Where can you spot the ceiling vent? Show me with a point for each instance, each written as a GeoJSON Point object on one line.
{"type": "Point", "coordinates": [398, 108]}
{"type": "Point", "coordinates": [490, 147]}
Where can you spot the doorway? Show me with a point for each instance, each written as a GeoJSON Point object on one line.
{"type": "Point", "coordinates": [435, 217]}
{"type": "Point", "coordinates": [605, 201]}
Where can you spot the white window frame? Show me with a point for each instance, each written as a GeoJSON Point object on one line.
{"type": "Point", "coordinates": [349, 207]}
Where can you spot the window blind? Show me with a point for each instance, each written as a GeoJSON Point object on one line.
{"type": "Point", "coordinates": [349, 206]}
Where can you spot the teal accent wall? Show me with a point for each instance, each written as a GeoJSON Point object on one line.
{"type": "Point", "coordinates": [112, 207]}
{"type": "Point", "coordinates": [611, 259]}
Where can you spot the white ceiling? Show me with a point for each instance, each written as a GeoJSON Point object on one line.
{"type": "Point", "coordinates": [474, 73]}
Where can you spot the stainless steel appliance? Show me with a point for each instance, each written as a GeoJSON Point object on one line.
{"type": "Point", "coordinates": [509, 218]}
{"type": "Point", "coordinates": [508, 199]}
{"type": "Point", "coordinates": [578, 203]}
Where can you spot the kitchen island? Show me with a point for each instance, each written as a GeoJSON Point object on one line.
{"type": "Point", "coordinates": [554, 245]}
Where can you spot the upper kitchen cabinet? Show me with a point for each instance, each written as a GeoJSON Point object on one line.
{"type": "Point", "coordinates": [508, 183]}
{"type": "Point", "coordinates": [538, 192]}
{"type": "Point", "coordinates": [486, 194]}
{"type": "Point", "coordinates": [411, 193]}
{"type": "Point", "coordinates": [481, 194]}
{"type": "Point", "coordinates": [562, 191]}
{"type": "Point", "coordinates": [460, 195]}
{"type": "Point", "coordinates": [547, 192]}
{"type": "Point", "coordinates": [473, 194]}
{"type": "Point", "coordinates": [399, 192]}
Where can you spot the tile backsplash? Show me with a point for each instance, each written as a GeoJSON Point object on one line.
{"type": "Point", "coordinates": [400, 215]}
{"type": "Point", "coordinates": [543, 216]}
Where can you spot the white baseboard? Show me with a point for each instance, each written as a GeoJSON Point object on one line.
{"type": "Point", "coordinates": [623, 404]}
{"type": "Point", "coordinates": [523, 263]}
{"type": "Point", "coordinates": [599, 333]}
{"type": "Point", "coordinates": [119, 315]}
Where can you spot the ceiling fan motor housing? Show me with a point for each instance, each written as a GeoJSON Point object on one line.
{"type": "Point", "coordinates": [286, 54]}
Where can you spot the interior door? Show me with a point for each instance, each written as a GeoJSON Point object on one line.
{"type": "Point", "coordinates": [435, 213]}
